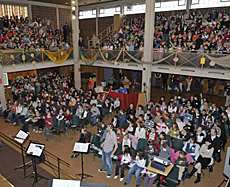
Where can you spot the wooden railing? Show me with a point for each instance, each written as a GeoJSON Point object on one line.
{"type": "Point", "coordinates": [106, 33]}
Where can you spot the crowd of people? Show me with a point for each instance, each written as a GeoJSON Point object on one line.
{"type": "Point", "coordinates": [200, 126]}
{"type": "Point", "coordinates": [21, 33]}
{"type": "Point", "coordinates": [195, 32]}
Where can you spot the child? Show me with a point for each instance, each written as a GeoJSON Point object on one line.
{"type": "Point", "coordinates": [174, 131]}
{"type": "Point", "coordinates": [152, 136]}
{"type": "Point", "coordinates": [126, 141]}
{"type": "Point", "coordinates": [152, 150]}
{"type": "Point", "coordinates": [125, 161]}
{"type": "Point", "coordinates": [137, 168]}
{"type": "Point", "coordinates": [117, 105]}
{"type": "Point", "coordinates": [181, 162]}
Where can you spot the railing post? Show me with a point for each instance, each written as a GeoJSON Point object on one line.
{"type": "Point", "coordinates": [123, 55]}
{"type": "Point", "coordinates": [42, 56]}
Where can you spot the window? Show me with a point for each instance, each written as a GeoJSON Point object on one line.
{"type": "Point", "coordinates": [101, 11]}
{"type": "Point", "coordinates": [181, 2]}
{"type": "Point", "coordinates": [109, 12]}
{"type": "Point", "coordinates": [11, 10]}
{"type": "Point", "coordinates": [134, 9]}
{"type": "Point", "coordinates": [118, 9]}
{"type": "Point", "coordinates": [94, 11]}
{"type": "Point", "coordinates": [210, 3]}
{"type": "Point", "coordinates": [195, 2]}
{"type": "Point", "coordinates": [86, 14]}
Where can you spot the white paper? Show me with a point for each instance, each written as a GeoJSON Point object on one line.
{"type": "Point", "coordinates": [81, 147]}
{"type": "Point", "coordinates": [65, 183]}
{"type": "Point", "coordinates": [35, 149]}
{"type": "Point", "coordinates": [21, 137]}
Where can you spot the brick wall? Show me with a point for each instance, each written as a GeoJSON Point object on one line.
{"type": "Point", "coordinates": [64, 16]}
{"type": "Point", "coordinates": [45, 12]}
{"type": "Point", "coordinates": [87, 28]}
{"type": "Point", "coordinates": [104, 23]}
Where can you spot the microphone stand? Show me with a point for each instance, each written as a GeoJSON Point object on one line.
{"type": "Point", "coordinates": [24, 165]}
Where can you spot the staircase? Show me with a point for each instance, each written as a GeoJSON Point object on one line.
{"type": "Point", "coordinates": [102, 38]}
{"type": "Point", "coordinates": [105, 34]}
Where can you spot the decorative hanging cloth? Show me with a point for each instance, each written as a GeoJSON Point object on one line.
{"type": "Point", "coordinates": [221, 61]}
{"type": "Point", "coordinates": [58, 56]}
{"type": "Point", "coordinates": [91, 61]}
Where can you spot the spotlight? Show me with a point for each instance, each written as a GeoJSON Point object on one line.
{"type": "Point", "coordinates": [73, 2]}
{"type": "Point", "coordinates": [73, 8]}
{"type": "Point", "coordinates": [73, 17]}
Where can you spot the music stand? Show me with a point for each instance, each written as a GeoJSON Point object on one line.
{"type": "Point", "coordinates": [82, 148]}
{"type": "Point", "coordinates": [20, 138]}
{"type": "Point", "coordinates": [35, 150]}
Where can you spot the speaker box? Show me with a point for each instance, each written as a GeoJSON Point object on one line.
{"type": "Point", "coordinates": [1, 24]}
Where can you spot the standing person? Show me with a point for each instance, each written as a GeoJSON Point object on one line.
{"type": "Point", "coordinates": [189, 82]}
{"type": "Point", "coordinates": [158, 80]}
{"type": "Point", "coordinates": [134, 77]}
{"type": "Point", "coordinates": [66, 31]}
{"type": "Point", "coordinates": [165, 81]}
{"type": "Point", "coordinates": [227, 94]}
{"type": "Point", "coordinates": [91, 84]}
{"type": "Point", "coordinates": [49, 124]}
{"type": "Point", "coordinates": [126, 83]}
{"type": "Point", "coordinates": [109, 147]}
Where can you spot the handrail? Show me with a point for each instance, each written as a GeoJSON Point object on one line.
{"type": "Point", "coordinates": [8, 139]}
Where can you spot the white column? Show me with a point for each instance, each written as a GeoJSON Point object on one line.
{"type": "Point", "coordinates": [97, 15]}
{"type": "Point", "coordinates": [188, 5]}
{"type": "Point", "coordinates": [148, 47]}
{"type": "Point", "coordinates": [122, 9]}
{"type": "Point", "coordinates": [57, 14]}
{"type": "Point", "coordinates": [75, 34]}
{"type": "Point", "coordinates": [30, 11]}
{"type": "Point", "coordinates": [2, 91]}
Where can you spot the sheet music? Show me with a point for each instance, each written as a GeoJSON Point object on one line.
{"type": "Point", "coordinates": [35, 149]}
{"type": "Point", "coordinates": [21, 137]}
{"type": "Point", "coordinates": [81, 147]}
{"type": "Point", "coordinates": [65, 183]}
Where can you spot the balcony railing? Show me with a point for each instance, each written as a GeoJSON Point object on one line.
{"type": "Point", "coordinates": [193, 59]}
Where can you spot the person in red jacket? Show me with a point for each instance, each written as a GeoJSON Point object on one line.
{"type": "Point", "coordinates": [152, 136]}
{"type": "Point", "coordinates": [49, 125]}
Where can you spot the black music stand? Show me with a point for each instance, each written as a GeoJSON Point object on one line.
{"type": "Point", "coordinates": [35, 150]}
{"type": "Point", "coordinates": [82, 148]}
{"type": "Point", "coordinates": [20, 138]}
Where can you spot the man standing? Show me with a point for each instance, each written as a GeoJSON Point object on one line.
{"type": "Point", "coordinates": [227, 93]}
{"type": "Point", "coordinates": [109, 147]}
{"type": "Point", "coordinates": [66, 31]}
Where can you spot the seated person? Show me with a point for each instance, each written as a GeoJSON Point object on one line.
{"type": "Point", "coordinates": [138, 167]}
{"type": "Point", "coordinates": [200, 135]}
{"type": "Point", "coordinates": [122, 90]}
{"type": "Point", "coordinates": [192, 148]}
{"type": "Point", "coordinates": [181, 163]}
{"type": "Point", "coordinates": [174, 131]}
{"type": "Point", "coordinates": [204, 160]}
{"type": "Point", "coordinates": [165, 150]}
{"type": "Point", "coordinates": [152, 135]}
{"type": "Point", "coordinates": [125, 161]}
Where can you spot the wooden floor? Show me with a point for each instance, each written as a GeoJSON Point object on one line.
{"type": "Point", "coordinates": [62, 147]}
{"type": "Point", "coordinates": [4, 182]}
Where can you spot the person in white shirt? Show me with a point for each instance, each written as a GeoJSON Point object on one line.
{"type": "Point", "coordinates": [205, 159]}
{"type": "Point", "coordinates": [126, 141]}
{"type": "Point", "coordinates": [117, 104]}
{"type": "Point", "coordinates": [140, 131]}
{"type": "Point", "coordinates": [125, 161]}
{"type": "Point", "coordinates": [137, 168]}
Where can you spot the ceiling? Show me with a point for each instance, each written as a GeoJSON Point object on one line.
{"type": "Point", "coordinates": [81, 2]}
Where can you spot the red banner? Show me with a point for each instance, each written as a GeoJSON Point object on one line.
{"type": "Point", "coordinates": [126, 99]}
